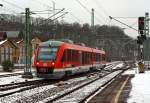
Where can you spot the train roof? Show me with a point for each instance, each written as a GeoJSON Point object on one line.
{"type": "Point", "coordinates": [51, 43]}
{"type": "Point", "coordinates": [99, 51]}
{"type": "Point", "coordinates": [70, 46]}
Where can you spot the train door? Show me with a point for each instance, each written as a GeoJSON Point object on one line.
{"type": "Point", "coordinates": [80, 57]}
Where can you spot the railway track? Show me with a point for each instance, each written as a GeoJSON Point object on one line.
{"type": "Point", "coordinates": [10, 90]}
{"type": "Point", "coordinates": [79, 94]}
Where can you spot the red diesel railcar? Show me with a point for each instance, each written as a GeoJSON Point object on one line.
{"type": "Point", "coordinates": [55, 59]}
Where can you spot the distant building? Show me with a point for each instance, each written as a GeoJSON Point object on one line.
{"type": "Point", "coordinates": [11, 35]}
{"type": "Point", "coordinates": [8, 51]}
{"type": "Point", "coordinates": [21, 48]}
{"type": "Point", "coordinates": [12, 46]}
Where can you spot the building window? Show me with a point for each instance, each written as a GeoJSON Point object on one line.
{"type": "Point", "coordinates": [11, 53]}
{"type": "Point", "coordinates": [7, 53]}
{"type": "Point", "coordinates": [2, 54]}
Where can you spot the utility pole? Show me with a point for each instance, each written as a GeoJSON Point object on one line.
{"type": "Point", "coordinates": [146, 24]}
{"type": "Point", "coordinates": [53, 9]}
{"type": "Point", "coordinates": [28, 46]}
{"type": "Point", "coordinates": [54, 23]}
{"type": "Point", "coordinates": [92, 20]}
{"type": "Point", "coordinates": [146, 32]}
{"type": "Point", "coordinates": [91, 37]}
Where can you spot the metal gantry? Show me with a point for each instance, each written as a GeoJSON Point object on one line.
{"type": "Point", "coordinates": [28, 46]}
{"type": "Point", "coordinates": [146, 32]}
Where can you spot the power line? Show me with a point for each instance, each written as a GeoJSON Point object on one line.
{"type": "Point", "coordinates": [9, 10]}
{"type": "Point", "coordinates": [75, 17]}
{"type": "Point", "coordinates": [102, 8]}
{"type": "Point", "coordinates": [123, 23]}
{"type": "Point", "coordinates": [88, 10]}
{"type": "Point", "coordinates": [127, 17]}
{"type": "Point", "coordinates": [13, 4]}
{"type": "Point", "coordinates": [98, 7]}
{"type": "Point", "coordinates": [84, 6]}
{"type": "Point", "coordinates": [101, 16]}
{"type": "Point", "coordinates": [60, 16]}
{"type": "Point", "coordinates": [43, 3]}
{"type": "Point", "coordinates": [16, 6]}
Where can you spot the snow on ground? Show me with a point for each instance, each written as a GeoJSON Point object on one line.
{"type": "Point", "coordinates": [78, 95]}
{"type": "Point", "coordinates": [6, 73]}
{"type": "Point", "coordinates": [15, 79]}
{"type": "Point", "coordinates": [15, 71]}
{"type": "Point", "coordinates": [120, 65]}
{"type": "Point", "coordinates": [131, 71]}
{"type": "Point", "coordinates": [140, 92]}
{"type": "Point", "coordinates": [25, 94]}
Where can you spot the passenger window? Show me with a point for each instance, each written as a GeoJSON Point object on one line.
{"type": "Point", "coordinates": [68, 55]}
{"type": "Point", "coordinates": [64, 57]}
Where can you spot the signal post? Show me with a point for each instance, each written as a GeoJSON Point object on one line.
{"type": "Point", "coordinates": [143, 30]}
{"type": "Point", "coordinates": [28, 46]}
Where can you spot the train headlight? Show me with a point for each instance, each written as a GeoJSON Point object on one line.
{"type": "Point", "coordinates": [53, 63]}
{"type": "Point", "coordinates": [37, 63]}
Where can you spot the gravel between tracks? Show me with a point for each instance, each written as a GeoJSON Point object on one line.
{"type": "Point", "coordinates": [40, 93]}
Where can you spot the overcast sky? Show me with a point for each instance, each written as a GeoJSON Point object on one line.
{"type": "Point", "coordinates": [103, 9]}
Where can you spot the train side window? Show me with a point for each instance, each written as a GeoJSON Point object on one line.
{"type": "Point", "coordinates": [95, 56]}
{"type": "Point", "coordinates": [73, 55]}
{"type": "Point", "coordinates": [91, 56]}
{"type": "Point", "coordinates": [69, 55]}
{"type": "Point", "coordinates": [64, 57]}
{"type": "Point", "coordinates": [99, 57]}
{"type": "Point", "coordinates": [83, 57]}
{"type": "Point", "coordinates": [76, 56]}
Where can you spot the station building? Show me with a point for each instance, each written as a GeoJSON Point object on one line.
{"type": "Point", "coordinates": [12, 46]}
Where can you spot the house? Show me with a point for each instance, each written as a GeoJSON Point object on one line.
{"type": "Point", "coordinates": [11, 35]}
{"type": "Point", "coordinates": [8, 51]}
{"type": "Point", "coordinates": [21, 48]}
{"type": "Point", "coordinates": [14, 35]}
{"type": "Point", "coordinates": [35, 42]}
{"type": "Point", "coordinates": [12, 46]}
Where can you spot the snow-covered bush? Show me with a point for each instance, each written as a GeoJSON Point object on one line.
{"type": "Point", "coordinates": [7, 65]}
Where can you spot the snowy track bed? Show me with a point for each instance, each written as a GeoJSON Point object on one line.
{"type": "Point", "coordinates": [41, 92]}
{"type": "Point", "coordinates": [10, 74]}
{"type": "Point", "coordinates": [9, 89]}
{"type": "Point", "coordinates": [79, 92]}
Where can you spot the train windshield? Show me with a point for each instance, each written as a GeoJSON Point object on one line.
{"type": "Point", "coordinates": [47, 53]}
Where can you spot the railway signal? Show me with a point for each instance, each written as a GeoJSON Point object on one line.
{"type": "Point", "coordinates": [141, 21]}
{"type": "Point", "coordinates": [141, 39]}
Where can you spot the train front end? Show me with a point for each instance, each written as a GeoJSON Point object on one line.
{"type": "Point", "coordinates": [45, 60]}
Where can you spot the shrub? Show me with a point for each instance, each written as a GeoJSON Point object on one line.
{"type": "Point", "coordinates": [8, 65]}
